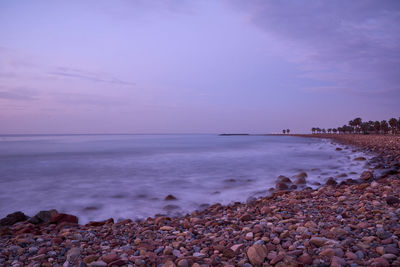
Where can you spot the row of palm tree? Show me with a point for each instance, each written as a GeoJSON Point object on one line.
{"type": "Point", "coordinates": [368, 127]}
{"type": "Point", "coordinates": [287, 131]}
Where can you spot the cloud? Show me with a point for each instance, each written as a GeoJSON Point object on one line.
{"type": "Point", "coordinates": [16, 94]}
{"type": "Point", "coordinates": [85, 75]}
{"type": "Point", "coordinates": [349, 44]}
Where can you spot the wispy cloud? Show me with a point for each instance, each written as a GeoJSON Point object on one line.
{"type": "Point", "coordinates": [89, 76]}
{"type": "Point", "coordinates": [16, 94]}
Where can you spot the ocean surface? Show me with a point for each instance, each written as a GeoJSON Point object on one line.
{"type": "Point", "coordinates": [128, 176]}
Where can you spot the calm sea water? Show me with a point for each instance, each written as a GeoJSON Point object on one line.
{"type": "Point", "coordinates": [128, 176]}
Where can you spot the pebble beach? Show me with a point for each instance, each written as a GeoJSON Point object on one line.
{"type": "Point", "coordinates": [347, 223]}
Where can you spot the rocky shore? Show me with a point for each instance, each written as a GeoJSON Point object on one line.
{"type": "Point", "coordinates": [352, 223]}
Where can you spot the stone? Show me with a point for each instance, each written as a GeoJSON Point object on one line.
{"type": "Point", "coordinates": [318, 241]}
{"type": "Point", "coordinates": [281, 186]}
{"type": "Point", "coordinates": [360, 159]}
{"type": "Point", "coordinates": [237, 247]}
{"type": "Point", "coordinates": [183, 263]}
{"type": "Point", "coordinates": [63, 218]}
{"type": "Point", "coordinates": [110, 257]}
{"type": "Point", "coordinates": [170, 197]}
{"type": "Point", "coordinates": [257, 254]}
{"type": "Point", "coordinates": [331, 181]}
{"type": "Point", "coordinates": [166, 228]}
{"type": "Point", "coordinates": [380, 262]}
{"type": "Point", "coordinates": [229, 253]}
{"type": "Point", "coordinates": [391, 200]}
{"type": "Point", "coordinates": [72, 257]}
{"type": "Point", "coordinates": [13, 218]}
{"type": "Point", "coordinates": [43, 216]}
{"type": "Point", "coordinates": [246, 217]}
{"type": "Point", "coordinates": [98, 264]}
{"type": "Point", "coordinates": [366, 175]}
{"type": "Point", "coordinates": [305, 259]}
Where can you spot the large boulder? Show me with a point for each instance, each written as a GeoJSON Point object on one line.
{"type": "Point", "coordinates": [13, 218]}
{"type": "Point", "coordinates": [43, 216]}
{"type": "Point", "coordinates": [63, 218]}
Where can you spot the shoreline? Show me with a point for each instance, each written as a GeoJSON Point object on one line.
{"type": "Point", "coordinates": [265, 231]}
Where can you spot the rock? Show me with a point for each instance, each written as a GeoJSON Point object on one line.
{"type": "Point", "coordinates": [380, 262]}
{"type": "Point", "coordinates": [246, 217]}
{"type": "Point", "coordinates": [98, 264]}
{"type": "Point", "coordinates": [338, 149]}
{"type": "Point", "coordinates": [329, 252]}
{"type": "Point", "coordinates": [360, 159]}
{"type": "Point", "coordinates": [300, 175]}
{"type": "Point", "coordinates": [281, 186]}
{"type": "Point", "coordinates": [170, 197]}
{"type": "Point", "coordinates": [13, 218]}
{"type": "Point", "coordinates": [229, 253]}
{"type": "Point", "coordinates": [183, 263]}
{"type": "Point", "coordinates": [236, 248]}
{"type": "Point", "coordinates": [110, 257]}
{"type": "Point", "coordinates": [169, 264]}
{"type": "Point", "coordinates": [391, 200]}
{"type": "Point", "coordinates": [366, 175]}
{"type": "Point", "coordinates": [43, 216]}
{"type": "Point", "coordinates": [337, 262]}
{"type": "Point", "coordinates": [331, 181]}
{"type": "Point", "coordinates": [63, 218]}
{"type": "Point", "coordinates": [257, 254]}
{"type": "Point", "coordinates": [199, 255]}
{"type": "Point", "coordinates": [284, 179]}
{"type": "Point", "coordinates": [305, 259]}
{"type": "Point", "coordinates": [72, 257]}
{"type": "Point", "coordinates": [318, 241]}
{"type": "Point", "coordinates": [166, 228]}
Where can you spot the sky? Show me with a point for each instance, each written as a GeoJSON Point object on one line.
{"type": "Point", "coordinates": [173, 66]}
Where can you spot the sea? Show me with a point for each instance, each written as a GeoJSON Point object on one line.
{"type": "Point", "coordinates": [97, 177]}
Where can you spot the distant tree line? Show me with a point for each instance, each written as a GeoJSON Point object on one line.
{"type": "Point", "coordinates": [287, 131]}
{"type": "Point", "coordinates": [368, 127]}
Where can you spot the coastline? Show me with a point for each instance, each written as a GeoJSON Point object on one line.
{"type": "Point", "coordinates": [350, 223]}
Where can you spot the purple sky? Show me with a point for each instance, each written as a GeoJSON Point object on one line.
{"type": "Point", "coordinates": [127, 66]}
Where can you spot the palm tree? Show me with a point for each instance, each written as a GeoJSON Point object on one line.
{"type": "Point", "coordinates": [364, 127]}
{"type": "Point", "coordinates": [352, 124]}
{"type": "Point", "coordinates": [313, 130]}
{"type": "Point", "coordinates": [319, 130]}
{"type": "Point", "coordinates": [283, 131]}
{"type": "Point", "coordinates": [377, 126]}
{"type": "Point", "coordinates": [357, 124]}
{"type": "Point", "coordinates": [384, 126]}
{"type": "Point", "coordinates": [334, 130]}
{"type": "Point", "coordinates": [393, 124]}
{"type": "Point", "coordinates": [329, 130]}
{"type": "Point", "coordinates": [288, 131]}
{"type": "Point", "coordinates": [323, 130]}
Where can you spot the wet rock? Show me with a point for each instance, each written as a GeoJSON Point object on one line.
{"type": "Point", "coordinates": [43, 216]}
{"type": "Point", "coordinates": [366, 175]}
{"type": "Point", "coordinates": [338, 149]}
{"type": "Point", "coordinates": [281, 186]}
{"type": "Point", "coordinates": [284, 179]}
{"type": "Point", "coordinates": [170, 197]}
{"type": "Point", "coordinates": [360, 159]}
{"type": "Point", "coordinates": [257, 254]}
{"type": "Point", "coordinates": [183, 263]}
{"type": "Point", "coordinates": [59, 218]}
{"type": "Point", "coordinates": [331, 181]}
{"type": "Point", "coordinates": [13, 218]}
